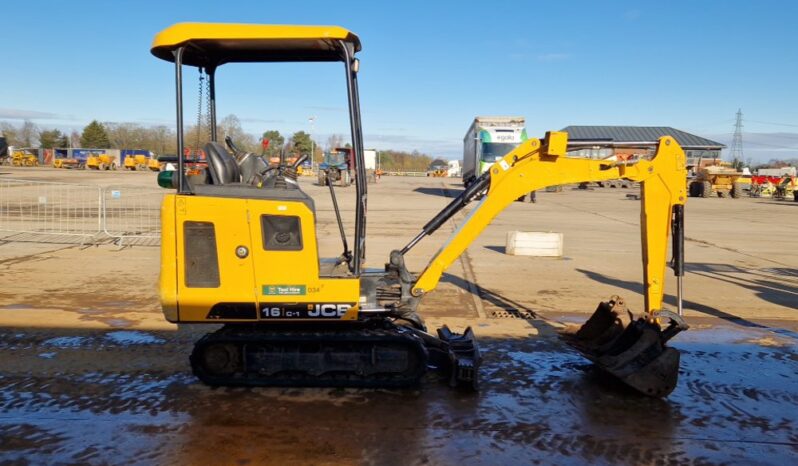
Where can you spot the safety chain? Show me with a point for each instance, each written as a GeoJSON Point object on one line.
{"type": "Point", "coordinates": [199, 110]}
{"type": "Point", "coordinates": [208, 106]}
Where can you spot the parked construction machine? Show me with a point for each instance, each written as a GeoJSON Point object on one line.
{"type": "Point", "coordinates": [24, 158]}
{"type": "Point", "coordinates": [139, 162]}
{"type": "Point", "coordinates": [336, 168]}
{"type": "Point", "coordinates": [776, 187]}
{"type": "Point", "coordinates": [3, 151]}
{"type": "Point", "coordinates": [438, 169]}
{"type": "Point", "coordinates": [154, 164]}
{"type": "Point", "coordinates": [101, 162]}
{"type": "Point", "coordinates": [717, 181]}
{"type": "Point", "coordinates": [784, 188]}
{"type": "Point", "coordinates": [69, 163]}
{"type": "Point", "coordinates": [241, 249]}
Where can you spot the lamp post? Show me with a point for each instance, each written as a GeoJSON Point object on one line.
{"type": "Point", "coordinates": [312, 120]}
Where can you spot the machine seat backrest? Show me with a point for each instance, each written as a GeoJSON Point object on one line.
{"type": "Point", "coordinates": [221, 165]}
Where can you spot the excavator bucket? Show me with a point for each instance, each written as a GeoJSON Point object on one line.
{"type": "Point", "coordinates": [631, 349]}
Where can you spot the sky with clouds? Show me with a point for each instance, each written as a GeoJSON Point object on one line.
{"type": "Point", "coordinates": [428, 67]}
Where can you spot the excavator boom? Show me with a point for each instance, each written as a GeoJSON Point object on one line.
{"type": "Point", "coordinates": [632, 349]}
{"type": "Point", "coordinates": [537, 164]}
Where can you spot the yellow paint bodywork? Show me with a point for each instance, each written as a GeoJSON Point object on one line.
{"type": "Point", "coordinates": [242, 280]}
{"type": "Point", "coordinates": [94, 161]}
{"type": "Point", "coordinates": [745, 180]}
{"type": "Point", "coordinates": [536, 164]}
{"type": "Point", "coordinates": [66, 163]}
{"type": "Point", "coordinates": [22, 158]}
{"type": "Point", "coordinates": [251, 39]}
{"type": "Point", "coordinates": [137, 161]}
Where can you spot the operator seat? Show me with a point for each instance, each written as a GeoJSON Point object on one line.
{"type": "Point", "coordinates": [225, 180]}
{"type": "Point", "coordinates": [221, 165]}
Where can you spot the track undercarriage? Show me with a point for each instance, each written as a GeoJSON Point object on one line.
{"type": "Point", "coordinates": [371, 354]}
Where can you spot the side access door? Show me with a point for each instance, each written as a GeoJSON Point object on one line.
{"type": "Point", "coordinates": [216, 277]}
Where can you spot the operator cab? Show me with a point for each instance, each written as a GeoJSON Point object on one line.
{"type": "Point", "coordinates": [244, 224]}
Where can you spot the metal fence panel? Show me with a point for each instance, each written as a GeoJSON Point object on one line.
{"type": "Point", "coordinates": [400, 173]}
{"type": "Point", "coordinates": [50, 209]}
{"type": "Point", "coordinates": [132, 214]}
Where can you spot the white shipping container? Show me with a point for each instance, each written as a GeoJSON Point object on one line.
{"type": "Point", "coordinates": [776, 171]}
{"type": "Point", "coordinates": [370, 156]}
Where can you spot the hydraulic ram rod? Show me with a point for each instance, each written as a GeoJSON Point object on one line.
{"type": "Point", "coordinates": [483, 182]}
{"type": "Point", "coordinates": [455, 206]}
{"type": "Point", "coordinates": [677, 247]}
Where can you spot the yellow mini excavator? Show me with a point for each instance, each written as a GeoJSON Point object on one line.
{"type": "Point", "coordinates": [239, 248]}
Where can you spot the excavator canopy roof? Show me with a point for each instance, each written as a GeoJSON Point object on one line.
{"type": "Point", "coordinates": [212, 44]}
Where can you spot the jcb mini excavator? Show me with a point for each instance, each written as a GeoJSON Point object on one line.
{"type": "Point", "coordinates": [240, 248]}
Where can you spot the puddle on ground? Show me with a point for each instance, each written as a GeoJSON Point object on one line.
{"type": "Point", "coordinates": [736, 338]}
{"type": "Point", "coordinates": [67, 342]}
{"type": "Point", "coordinates": [133, 337]}
{"type": "Point", "coordinates": [540, 402]}
{"type": "Point", "coordinates": [117, 304]}
{"type": "Point", "coordinates": [15, 307]}
{"type": "Point", "coordinates": [118, 323]}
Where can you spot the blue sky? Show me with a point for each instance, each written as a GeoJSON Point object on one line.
{"type": "Point", "coordinates": [428, 67]}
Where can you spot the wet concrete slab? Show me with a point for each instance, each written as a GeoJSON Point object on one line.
{"type": "Point", "coordinates": [127, 397]}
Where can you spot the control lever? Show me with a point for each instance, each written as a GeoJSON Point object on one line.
{"type": "Point", "coordinates": [299, 161]}
{"type": "Point", "coordinates": [229, 141]}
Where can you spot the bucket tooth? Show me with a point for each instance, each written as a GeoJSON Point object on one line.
{"type": "Point", "coordinates": [605, 325]}
{"type": "Point", "coordinates": [632, 350]}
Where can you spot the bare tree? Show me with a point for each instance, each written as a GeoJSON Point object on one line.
{"type": "Point", "coordinates": [126, 135]}
{"type": "Point", "coordinates": [163, 140]}
{"type": "Point", "coordinates": [9, 132]}
{"type": "Point", "coordinates": [231, 126]}
{"type": "Point", "coordinates": [28, 134]}
{"type": "Point", "coordinates": [74, 139]}
{"type": "Point", "coordinates": [335, 140]}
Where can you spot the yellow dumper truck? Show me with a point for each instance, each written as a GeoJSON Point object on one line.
{"type": "Point", "coordinates": [717, 180]}
{"type": "Point", "coordinates": [101, 162]}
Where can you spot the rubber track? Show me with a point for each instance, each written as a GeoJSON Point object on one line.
{"type": "Point", "coordinates": [240, 337]}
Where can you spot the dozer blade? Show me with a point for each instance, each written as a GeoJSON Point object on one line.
{"type": "Point", "coordinates": [456, 355]}
{"type": "Point", "coordinates": [633, 350]}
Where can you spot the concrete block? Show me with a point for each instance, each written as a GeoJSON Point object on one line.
{"type": "Point", "coordinates": [534, 243]}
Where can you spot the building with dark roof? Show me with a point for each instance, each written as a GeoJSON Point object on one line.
{"type": "Point", "coordinates": [695, 147]}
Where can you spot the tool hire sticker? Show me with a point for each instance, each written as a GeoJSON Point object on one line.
{"type": "Point", "coordinates": [284, 290]}
{"type": "Point", "coordinates": [304, 310]}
